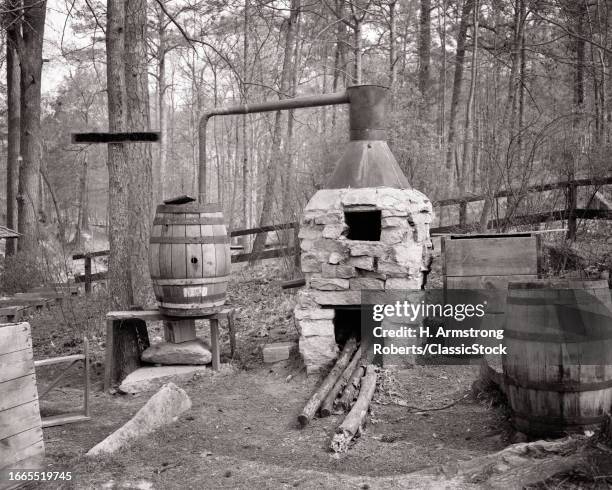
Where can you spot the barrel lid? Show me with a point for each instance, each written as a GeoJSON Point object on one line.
{"type": "Point", "coordinates": [560, 283]}
{"type": "Point", "coordinates": [184, 199]}
{"type": "Point", "coordinates": [189, 207]}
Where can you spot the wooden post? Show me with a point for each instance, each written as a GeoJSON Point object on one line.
{"type": "Point", "coordinates": [86, 380]}
{"type": "Point", "coordinates": [214, 341]}
{"type": "Point", "coordinates": [87, 274]}
{"type": "Point", "coordinates": [296, 245]}
{"type": "Point", "coordinates": [572, 204]}
{"type": "Point", "coordinates": [463, 213]}
{"type": "Point", "coordinates": [232, 332]}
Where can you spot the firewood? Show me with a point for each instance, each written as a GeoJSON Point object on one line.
{"type": "Point", "coordinates": [328, 403]}
{"type": "Point", "coordinates": [354, 421]}
{"type": "Point", "coordinates": [316, 399]}
{"type": "Point", "coordinates": [352, 388]}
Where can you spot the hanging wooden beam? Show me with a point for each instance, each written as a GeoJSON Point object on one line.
{"type": "Point", "coordinates": [131, 137]}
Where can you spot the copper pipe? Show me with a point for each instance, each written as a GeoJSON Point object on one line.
{"type": "Point", "coordinates": [275, 105]}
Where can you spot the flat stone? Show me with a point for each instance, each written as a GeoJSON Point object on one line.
{"type": "Point", "coordinates": [408, 254]}
{"type": "Point", "coordinates": [366, 283]}
{"type": "Point", "coordinates": [392, 236]}
{"type": "Point", "coordinates": [335, 258]}
{"type": "Point", "coordinates": [394, 221]}
{"type": "Point", "coordinates": [329, 283]}
{"type": "Point", "coordinates": [310, 263]}
{"type": "Point", "coordinates": [318, 352]}
{"type": "Point", "coordinates": [152, 378]}
{"type": "Point", "coordinates": [310, 328]}
{"type": "Point", "coordinates": [360, 197]}
{"type": "Point", "coordinates": [331, 246]}
{"type": "Point", "coordinates": [190, 352]}
{"type": "Point", "coordinates": [278, 351]}
{"type": "Point", "coordinates": [340, 298]}
{"type": "Point", "coordinates": [341, 271]}
{"type": "Point", "coordinates": [330, 218]}
{"type": "Point", "coordinates": [334, 232]}
{"type": "Point", "coordinates": [314, 314]}
{"type": "Point", "coordinates": [310, 232]}
{"type": "Point", "coordinates": [363, 262]}
{"type": "Point", "coordinates": [392, 268]}
{"type": "Point", "coordinates": [402, 283]}
{"type": "Point", "coordinates": [367, 248]}
{"type": "Point", "coordinates": [324, 200]}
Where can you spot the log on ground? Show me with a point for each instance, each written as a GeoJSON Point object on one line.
{"type": "Point", "coordinates": [352, 388]}
{"type": "Point", "coordinates": [328, 403]}
{"type": "Point", "coordinates": [354, 421]}
{"type": "Point", "coordinates": [311, 407]}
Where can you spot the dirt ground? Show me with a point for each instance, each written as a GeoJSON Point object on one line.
{"type": "Point", "coordinates": [242, 430]}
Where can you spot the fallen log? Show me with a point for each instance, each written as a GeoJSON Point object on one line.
{"type": "Point", "coordinates": [311, 407]}
{"type": "Point", "coordinates": [328, 402]}
{"type": "Point", "coordinates": [354, 421]}
{"type": "Point", "coordinates": [352, 388]}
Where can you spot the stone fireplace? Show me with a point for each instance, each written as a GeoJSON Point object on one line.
{"type": "Point", "coordinates": [355, 239]}
{"type": "Point", "coordinates": [368, 230]}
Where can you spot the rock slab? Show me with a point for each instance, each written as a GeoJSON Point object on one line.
{"type": "Point", "coordinates": [162, 408]}
{"type": "Point", "coordinates": [195, 352]}
{"type": "Point", "coordinates": [278, 351]}
{"type": "Point", "coordinates": [152, 378]}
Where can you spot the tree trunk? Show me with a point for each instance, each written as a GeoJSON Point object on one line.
{"type": "Point", "coordinates": [457, 82]}
{"type": "Point", "coordinates": [30, 57]}
{"type": "Point", "coordinates": [357, 68]}
{"type": "Point", "coordinates": [14, 123]}
{"type": "Point", "coordinates": [468, 129]}
{"type": "Point", "coordinates": [82, 205]}
{"type": "Point", "coordinates": [424, 47]}
{"type": "Point", "coordinates": [275, 153]}
{"type": "Point", "coordinates": [245, 143]}
{"type": "Point", "coordinates": [119, 282]}
{"type": "Point", "coordinates": [140, 163]}
{"type": "Point", "coordinates": [161, 105]}
{"type": "Point", "coordinates": [392, 43]}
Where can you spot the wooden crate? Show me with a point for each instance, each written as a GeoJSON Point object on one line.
{"type": "Point", "coordinates": [21, 437]}
{"type": "Point", "coordinates": [487, 263]}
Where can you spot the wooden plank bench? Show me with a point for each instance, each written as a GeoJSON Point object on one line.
{"type": "Point", "coordinates": [137, 319]}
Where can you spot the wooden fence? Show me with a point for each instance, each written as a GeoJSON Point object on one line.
{"type": "Point", "coordinates": [571, 214]}
{"type": "Point", "coordinates": [287, 251]}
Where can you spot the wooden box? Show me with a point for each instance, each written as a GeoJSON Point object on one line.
{"type": "Point", "coordinates": [21, 437]}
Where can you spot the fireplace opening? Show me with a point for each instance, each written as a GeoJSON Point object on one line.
{"type": "Point", "coordinates": [347, 324]}
{"type": "Point", "coordinates": [363, 225]}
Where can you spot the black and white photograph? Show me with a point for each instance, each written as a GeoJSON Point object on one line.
{"type": "Point", "coordinates": [313, 244]}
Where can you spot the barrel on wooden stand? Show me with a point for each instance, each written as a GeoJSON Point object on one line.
{"type": "Point", "coordinates": [189, 258]}
{"type": "Point", "coordinates": [558, 366]}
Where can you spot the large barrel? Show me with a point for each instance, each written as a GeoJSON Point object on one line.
{"type": "Point", "coordinates": [558, 366]}
{"type": "Point", "coordinates": [189, 258]}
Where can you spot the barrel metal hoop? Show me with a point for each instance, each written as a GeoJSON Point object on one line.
{"type": "Point", "coordinates": [559, 387]}
{"type": "Point", "coordinates": [181, 220]}
{"type": "Point", "coordinates": [549, 421]}
{"type": "Point", "coordinates": [192, 281]}
{"type": "Point", "coordinates": [209, 300]}
{"type": "Point", "coordinates": [183, 240]}
{"type": "Point", "coordinates": [192, 207]}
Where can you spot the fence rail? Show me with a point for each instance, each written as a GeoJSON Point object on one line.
{"type": "Point", "coordinates": [571, 214]}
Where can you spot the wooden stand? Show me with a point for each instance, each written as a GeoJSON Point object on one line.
{"type": "Point", "coordinates": [120, 364]}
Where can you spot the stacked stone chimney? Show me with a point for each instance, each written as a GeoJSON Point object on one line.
{"type": "Point", "coordinates": [354, 239]}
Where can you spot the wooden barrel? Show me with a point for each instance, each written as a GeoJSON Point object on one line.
{"type": "Point", "coordinates": [189, 258]}
{"type": "Point", "coordinates": [558, 366]}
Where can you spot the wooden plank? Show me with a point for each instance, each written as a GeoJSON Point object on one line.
{"type": "Point", "coordinates": [266, 254]}
{"type": "Point", "coordinates": [19, 419]}
{"type": "Point", "coordinates": [491, 256]}
{"type": "Point", "coordinates": [99, 253]}
{"type": "Point", "coordinates": [253, 231]}
{"type": "Point", "coordinates": [58, 360]}
{"type": "Point", "coordinates": [125, 137]}
{"type": "Point", "coordinates": [17, 392]}
{"type": "Point", "coordinates": [38, 302]}
{"type": "Point", "coordinates": [179, 250]}
{"type": "Point", "coordinates": [15, 337]}
{"type": "Point", "coordinates": [16, 364]}
{"type": "Point", "coordinates": [64, 419]}
{"type": "Point", "coordinates": [24, 445]}
{"type": "Point", "coordinates": [36, 462]}
{"type": "Point", "coordinates": [214, 342]}
{"type": "Point", "coordinates": [193, 256]}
